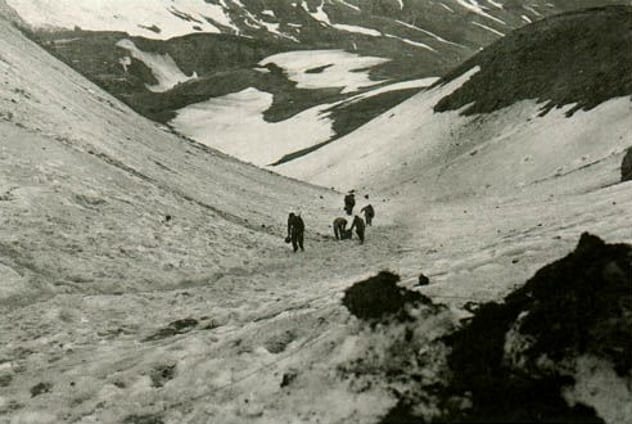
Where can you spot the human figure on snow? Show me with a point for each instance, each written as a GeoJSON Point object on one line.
{"type": "Point", "coordinates": [340, 228]}
{"type": "Point", "coordinates": [369, 212]}
{"type": "Point", "coordinates": [349, 202]}
{"type": "Point", "coordinates": [359, 226]}
{"type": "Point", "coordinates": [295, 230]}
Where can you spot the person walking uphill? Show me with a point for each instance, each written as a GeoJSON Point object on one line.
{"type": "Point", "coordinates": [295, 230]}
{"type": "Point", "coordinates": [349, 202]}
{"type": "Point", "coordinates": [369, 213]}
{"type": "Point", "coordinates": [359, 226]}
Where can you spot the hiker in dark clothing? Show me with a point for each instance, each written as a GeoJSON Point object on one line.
{"type": "Point", "coordinates": [340, 228]}
{"type": "Point", "coordinates": [349, 203]}
{"type": "Point", "coordinates": [295, 230]}
{"type": "Point", "coordinates": [358, 224]}
{"type": "Point", "coordinates": [369, 213]}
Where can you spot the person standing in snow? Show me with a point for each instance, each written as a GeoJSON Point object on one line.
{"type": "Point", "coordinates": [368, 211]}
{"type": "Point", "coordinates": [340, 228]}
{"type": "Point", "coordinates": [359, 226]}
{"type": "Point", "coordinates": [295, 230]}
{"type": "Point", "coordinates": [349, 202]}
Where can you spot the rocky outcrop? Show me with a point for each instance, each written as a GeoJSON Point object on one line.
{"type": "Point", "coordinates": [559, 349]}
{"type": "Point", "coordinates": [626, 166]}
{"type": "Point", "coordinates": [379, 297]}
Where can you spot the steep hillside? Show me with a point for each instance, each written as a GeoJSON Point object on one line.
{"type": "Point", "coordinates": [91, 192]}
{"type": "Point", "coordinates": [591, 51]}
{"type": "Point", "coordinates": [501, 125]}
{"type": "Point", "coordinates": [175, 56]}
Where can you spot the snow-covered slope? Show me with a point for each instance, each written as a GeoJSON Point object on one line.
{"type": "Point", "coordinates": [161, 57]}
{"type": "Point", "coordinates": [488, 129]}
{"type": "Point", "coordinates": [86, 178]}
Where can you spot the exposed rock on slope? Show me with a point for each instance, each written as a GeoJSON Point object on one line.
{"type": "Point", "coordinates": [626, 166]}
{"type": "Point", "coordinates": [592, 55]}
{"type": "Point", "coordinates": [508, 145]}
{"type": "Point", "coordinates": [558, 349]}
{"type": "Point", "coordinates": [222, 43]}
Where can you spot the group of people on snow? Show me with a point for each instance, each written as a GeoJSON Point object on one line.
{"type": "Point", "coordinates": [296, 226]}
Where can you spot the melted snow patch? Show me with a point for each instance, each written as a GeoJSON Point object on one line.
{"type": "Point", "coordinates": [431, 34]}
{"type": "Point", "coordinates": [475, 7]}
{"type": "Point", "coordinates": [411, 42]}
{"type": "Point", "coordinates": [158, 19]}
{"type": "Point", "coordinates": [495, 4]}
{"type": "Point", "coordinates": [347, 70]}
{"type": "Point", "coordinates": [358, 29]}
{"type": "Point", "coordinates": [320, 15]}
{"type": "Point", "coordinates": [349, 5]}
{"type": "Point", "coordinates": [234, 124]}
{"type": "Point", "coordinates": [446, 7]}
{"type": "Point", "coordinates": [403, 85]}
{"type": "Point", "coordinates": [490, 29]}
{"type": "Point", "coordinates": [162, 66]}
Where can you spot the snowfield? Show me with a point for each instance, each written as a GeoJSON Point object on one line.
{"type": "Point", "coordinates": [213, 123]}
{"type": "Point", "coordinates": [161, 19]}
{"type": "Point", "coordinates": [508, 150]}
{"type": "Point", "coordinates": [341, 69]}
{"type": "Point", "coordinates": [234, 124]}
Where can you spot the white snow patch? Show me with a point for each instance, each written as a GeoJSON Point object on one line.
{"type": "Point", "coordinates": [403, 85]}
{"type": "Point", "coordinates": [162, 67]}
{"type": "Point", "coordinates": [125, 62]}
{"type": "Point", "coordinates": [446, 7]}
{"type": "Point", "coordinates": [532, 10]}
{"type": "Point", "coordinates": [349, 5]}
{"type": "Point", "coordinates": [490, 29]}
{"type": "Point", "coordinates": [357, 29]}
{"type": "Point", "coordinates": [526, 18]}
{"type": "Point", "coordinates": [268, 12]}
{"type": "Point", "coordinates": [431, 34]}
{"type": "Point", "coordinates": [234, 124]}
{"type": "Point", "coordinates": [411, 42]}
{"type": "Point", "coordinates": [132, 17]}
{"type": "Point", "coordinates": [475, 7]}
{"type": "Point", "coordinates": [343, 72]}
{"type": "Point", "coordinates": [496, 4]}
{"type": "Point", "coordinates": [274, 28]}
{"type": "Point", "coordinates": [320, 15]}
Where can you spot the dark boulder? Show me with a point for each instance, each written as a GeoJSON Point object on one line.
{"type": "Point", "coordinates": [423, 280]}
{"type": "Point", "coordinates": [380, 297]}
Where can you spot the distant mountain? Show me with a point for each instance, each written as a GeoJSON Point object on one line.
{"type": "Point", "coordinates": [171, 58]}
{"type": "Point", "coordinates": [538, 107]}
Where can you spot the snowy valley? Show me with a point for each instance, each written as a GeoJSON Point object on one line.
{"type": "Point", "coordinates": [143, 273]}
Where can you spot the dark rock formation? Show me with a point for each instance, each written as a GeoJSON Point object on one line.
{"type": "Point", "coordinates": [423, 280]}
{"type": "Point", "coordinates": [379, 297]}
{"type": "Point", "coordinates": [626, 166]}
{"type": "Point", "coordinates": [176, 327]}
{"type": "Point", "coordinates": [511, 363]}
